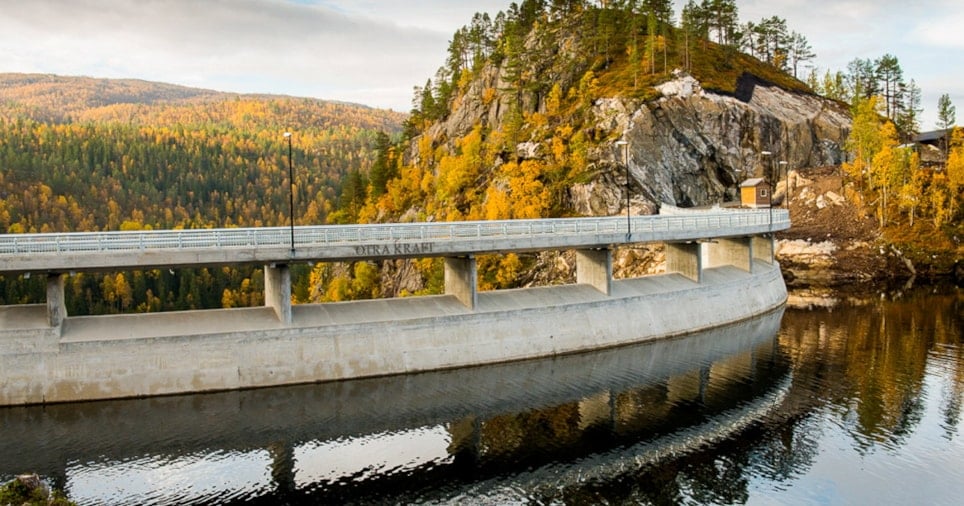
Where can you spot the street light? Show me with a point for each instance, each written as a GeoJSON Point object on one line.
{"type": "Point", "coordinates": [291, 194]}
{"type": "Point", "coordinates": [769, 168]}
{"type": "Point", "coordinates": [625, 146]}
{"type": "Point", "coordinates": [783, 169]}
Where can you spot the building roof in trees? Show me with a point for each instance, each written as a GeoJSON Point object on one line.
{"type": "Point", "coordinates": [932, 137]}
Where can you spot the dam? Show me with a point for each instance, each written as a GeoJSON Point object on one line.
{"type": "Point", "coordinates": [719, 270]}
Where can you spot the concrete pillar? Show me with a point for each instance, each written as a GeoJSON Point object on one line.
{"type": "Point", "coordinates": [461, 280]}
{"type": "Point", "coordinates": [763, 248]}
{"type": "Point", "coordinates": [595, 267]}
{"type": "Point", "coordinates": [277, 291]}
{"type": "Point", "coordinates": [56, 303]}
{"type": "Point", "coordinates": [736, 251]}
{"type": "Point", "coordinates": [282, 467]}
{"type": "Point", "coordinates": [684, 258]}
{"type": "Point", "coordinates": [465, 435]}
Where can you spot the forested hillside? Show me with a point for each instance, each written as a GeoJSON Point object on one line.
{"type": "Point", "coordinates": [521, 120]}
{"type": "Point", "coordinates": [515, 123]}
{"type": "Point", "coordinates": [81, 154]}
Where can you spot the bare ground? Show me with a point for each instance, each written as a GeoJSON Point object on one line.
{"type": "Point", "coordinates": [850, 227]}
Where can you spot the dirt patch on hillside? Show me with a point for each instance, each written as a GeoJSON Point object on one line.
{"type": "Point", "coordinates": [821, 212]}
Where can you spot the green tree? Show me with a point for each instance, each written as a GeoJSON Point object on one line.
{"type": "Point", "coordinates": [722, 19]}
{"type": "Point", "coordinates": [861, 78]}
{"type": "Point", "coordinates": [890, 77]}
{"type": "Point", "coordinates": [946, 119]}
{"type": "Point", "coordinates": [383, 168]}
{"type": "Point", "coordinates": [909, 110]}
{"type": "Point", "coordinates": [834, 86]}
{"type": "Point", "coordinates": [800, 51]}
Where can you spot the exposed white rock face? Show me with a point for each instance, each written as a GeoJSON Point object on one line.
{"type": "Point", "coordinates": [694, 150]}
{"type": "Point", "coordinates": [683, 86]}
{"type": "Point", "coordinates": [528, 150]}
{"type": "Point", "coordinates": [799, 247]}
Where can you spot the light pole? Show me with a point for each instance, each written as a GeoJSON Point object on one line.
{"type": "Point", "coordinates": [291, 194]}
{"type": "Point", "coordinates": [625, 145]}
{"type": "Point", "coordinates": [769, 168]}
{"type": "Point", "coordinates": [784, 169]}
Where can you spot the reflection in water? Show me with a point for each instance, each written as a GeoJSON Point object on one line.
{"type": "Point", "coordinates": [878, 385]}
{"type": "Point", "coordinates": [855, 402]}
{"type": "Point", "coordinates": [502, 430]}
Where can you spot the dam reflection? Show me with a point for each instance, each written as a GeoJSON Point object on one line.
{"type": "Point", "coordinates": [538, 430]}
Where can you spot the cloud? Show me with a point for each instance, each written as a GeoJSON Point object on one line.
{"type": "Point", "coordinates": [942, 32]}
{"type": "Point", "coordinates": [263, 46]}
{"type": "Point", "coordinates": [375, 51]}
{"type": "Point", "coordinates": [442, 16]}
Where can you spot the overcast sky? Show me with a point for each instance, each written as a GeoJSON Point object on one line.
{"type": "Point", "coordinates": [374, 52]}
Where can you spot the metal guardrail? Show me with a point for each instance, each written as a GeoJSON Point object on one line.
{"type": "Point", "coordinates": [330, 235]}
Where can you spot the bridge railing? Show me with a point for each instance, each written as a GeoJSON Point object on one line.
{"type": "Point", "coordinates": [320, 235]}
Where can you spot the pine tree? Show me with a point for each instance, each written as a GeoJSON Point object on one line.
{"type": "Point", "coordinates": [909, 110]}
{"type": "Point", "coordinates": [946, 119]}
{"type": "Point", "coordinates": [889, 76]}
{"type": "Point", "coordinates": [861, 78]}
{"type": "Point", "coordinates": [800, 51]}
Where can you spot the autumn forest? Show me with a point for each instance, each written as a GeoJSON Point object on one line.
{"type": "Point", "coordinates": [85, 154]}
{"type": "Point", "coordinates": [186, 162]}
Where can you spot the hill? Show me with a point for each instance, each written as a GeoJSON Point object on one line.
{"type": "Point", "coordinates": [81, 154]}
{"type": "Point", "coordinates": [578, 108]}
{"type": "Point", "coordinates": [108, 152]}
{"type": "Point", "coordinates": [65, 99]}
{"type": "Point", "coordinates": [549, 95]}
{"type": "Point", "coordinates": [56, 98]}
{"type": "Point", "coordinates": [548, 114]}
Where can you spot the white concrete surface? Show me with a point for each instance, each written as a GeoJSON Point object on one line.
{"type": "Point", "coordinates": [99, 357]}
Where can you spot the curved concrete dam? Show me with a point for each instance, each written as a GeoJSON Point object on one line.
{"type": "Point", "coordinates": [100, 357]}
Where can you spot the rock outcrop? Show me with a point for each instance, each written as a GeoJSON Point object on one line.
{"type": "Point", "coordinates": [690, 147]}
{"type": "Point", "coordinates": [693, 147]}
{"type": "Point", "coordinates": [685, 145]}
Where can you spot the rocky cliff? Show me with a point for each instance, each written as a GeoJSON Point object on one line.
{"type": "Point", "coordinates": [692, 147]}
{"type": "Point", "coordinates": [584, 115]}
{"type": "Point", "coordinates": [689, 147]}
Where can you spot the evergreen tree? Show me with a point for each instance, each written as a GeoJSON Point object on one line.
{"type": "Point", "coordinates": [693, 27]}
{"type": "Point", "coordinates": [800, 51]}
{"type": "Point", "coordinates": [861, 79]}
{"type": "Point", "coordinates": [722, 19]}
{"type": "Point", "coordinates": [834, 86]}
{"type": "Point", "coordinates": [890, 77]}
{"type": "Point", "coordinates": [946, 113]}
{"type": "Point", "coordinates": [946, 119]}
{"type": "Point", "coordinates": [909, 110]}
{"type": "Point", "coordinates": [383, 168]}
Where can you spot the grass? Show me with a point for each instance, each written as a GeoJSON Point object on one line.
{"type": "Point", "coordinates": [22, 492]}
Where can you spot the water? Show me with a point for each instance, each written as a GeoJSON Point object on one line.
{"type": "Point", "coordinates": [856, 401]}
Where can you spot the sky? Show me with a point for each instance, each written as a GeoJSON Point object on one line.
{"type": "Point", "coordinates": [374, 52]}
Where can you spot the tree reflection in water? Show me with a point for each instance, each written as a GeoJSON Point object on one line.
{"type": "Point", "coordinates": [851, 403]}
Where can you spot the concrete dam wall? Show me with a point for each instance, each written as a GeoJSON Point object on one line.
{"type": "Point", "coordinates": [115, 356]}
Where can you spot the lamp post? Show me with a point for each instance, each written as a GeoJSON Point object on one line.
{"type": "Point", "coordinates": [625, 145]}
{"type": "Point", "coordinates": [769, 169]}
{"type": "Point", "coordinates": [784, 170]}
{"type": "Point", "coordinates": [291, 194]}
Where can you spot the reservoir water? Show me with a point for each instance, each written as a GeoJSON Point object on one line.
{"type": "Point", "coordinates": [842, 400]}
